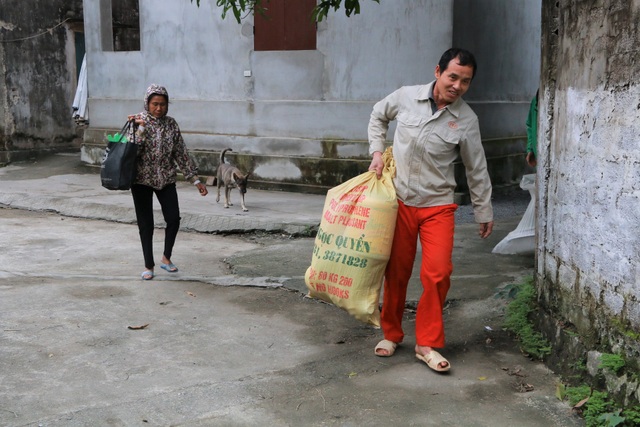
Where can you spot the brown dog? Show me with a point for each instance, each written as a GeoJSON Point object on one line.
{"type": "Point", "coordinates": [230, 176]}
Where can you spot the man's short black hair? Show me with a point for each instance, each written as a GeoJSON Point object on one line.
{"type": "Point", "coordinates": [464, 58]}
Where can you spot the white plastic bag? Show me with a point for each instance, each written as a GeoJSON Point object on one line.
{"type": "Point", "coordinates": [522, 239]}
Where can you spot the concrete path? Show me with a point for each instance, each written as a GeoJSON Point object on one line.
{"type": "Point", "coordinates": [231, 340]}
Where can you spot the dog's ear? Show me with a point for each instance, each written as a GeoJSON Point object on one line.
{"type": "Point", "coordinates": [248, 175]}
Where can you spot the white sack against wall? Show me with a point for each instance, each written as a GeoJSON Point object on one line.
{"type": "Point", "coordinates": [522, 239]}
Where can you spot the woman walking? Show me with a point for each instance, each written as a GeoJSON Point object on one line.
{"type": "Point", "coordinates": [161, 150]}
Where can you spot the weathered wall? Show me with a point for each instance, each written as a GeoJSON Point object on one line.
{"type": "Point", "coordinates": [325, 93]}
{"type": "Point", "coordinates": [37, 76]}
{"type": "Point", "coordinates": [505, 36]}
{"type": "Point", "coordinates": [588, 248]}
{"type": "Point", "coordinates": [300, 117]}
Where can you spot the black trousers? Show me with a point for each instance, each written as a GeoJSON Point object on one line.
{"type": "Point", "coordinates": [143, 202]}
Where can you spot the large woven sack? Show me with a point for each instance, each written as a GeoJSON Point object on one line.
{"type": "Point", "coordinates": [353, 243]}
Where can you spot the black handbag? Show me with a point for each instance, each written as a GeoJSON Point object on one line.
{"type": "Point", "coordinates": [118, 169]}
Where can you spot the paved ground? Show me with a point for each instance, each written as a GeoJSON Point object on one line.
{"type": "Point", "coordinates": [231, 338]}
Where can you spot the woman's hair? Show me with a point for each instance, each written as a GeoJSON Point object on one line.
{"type": "Point", "coordinates": [164, 95]}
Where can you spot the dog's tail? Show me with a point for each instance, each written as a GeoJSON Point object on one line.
{"type": "Point", "coordinates": [222, 154]}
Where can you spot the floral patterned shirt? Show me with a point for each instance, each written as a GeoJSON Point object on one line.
{"type": "Point", "coordinates": [161, 151]}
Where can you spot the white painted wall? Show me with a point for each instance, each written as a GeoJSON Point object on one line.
{"type": "Point", "coordinates": [592, 221]}
{"type": "Point", "coordinates": [201, 59]}
{"type": "Point", "coordinates": [589, 171]}
{"type": "Point", "coordinates": [312, 107]}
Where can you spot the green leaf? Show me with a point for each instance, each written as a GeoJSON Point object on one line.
{"type": "Point", "coordinates": [611, 419]}
{"type": "Point", "coordinates": [561, 391]}
{"type": "Point", "coordinates": [240, 7]}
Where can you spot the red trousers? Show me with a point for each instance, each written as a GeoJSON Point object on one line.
{"type": "Point", "coordinates": [434, 226]}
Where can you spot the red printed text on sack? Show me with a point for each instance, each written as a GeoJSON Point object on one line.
{"type": "Point", "coordinates": [331, 290]}
{"type": "Point", "coordinates": [355, 194]}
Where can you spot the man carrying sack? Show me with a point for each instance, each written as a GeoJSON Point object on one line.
{"type": "Point", "coordinates": [434, 126]}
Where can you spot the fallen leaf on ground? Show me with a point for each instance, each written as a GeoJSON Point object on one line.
{"type": "Point", "coordinates": [582, 402]}
{"type": "Point", "coordinates": [138, 327]}
{"type": "Point", "coordinates": [524, 387]}
{"type": "Point", "coordinates": [517, 371]}
{"type": "Point", "coordinates": [561, 391]}
{"type": "Point", "coordinates": [191, 294]}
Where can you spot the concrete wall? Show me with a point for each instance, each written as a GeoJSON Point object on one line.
{"type": "Point", "coordinates": [37, 77]}
{"type": "Point", "coordinates": [505, 37]}
{"type": "Point", "coordinates": [300, 117]}
{"type": "Point", "coordinates": [201, 58]}
{"type": "Point", "coordinates": [588, 248]}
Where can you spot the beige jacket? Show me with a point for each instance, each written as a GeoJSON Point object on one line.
{"type": "Point", "coordinates": [426, 145]}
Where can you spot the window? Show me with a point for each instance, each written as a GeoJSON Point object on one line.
{"type": "Point", "coordinates": [125, 25]}
{"type": "Point", "coordinates": [285, 25]}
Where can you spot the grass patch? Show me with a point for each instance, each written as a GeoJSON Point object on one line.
{"type": "Point", "coordinates": [612, 362]}
{"type": "Point", "coordinates": [625, 330]}
{"type": "Point", "coordinates": [591, 403]}
{"type": "Point", "coordinates": [579, 366]}
{"type": "Point", "coordinates": [517, 320]}
{"type": "Point", "coordinates": [598, 409]}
